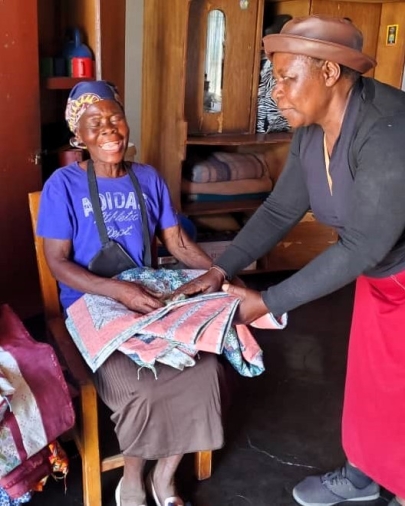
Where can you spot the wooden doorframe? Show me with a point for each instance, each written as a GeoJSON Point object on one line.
{"type": "Point", "coordinates": [20, 140]}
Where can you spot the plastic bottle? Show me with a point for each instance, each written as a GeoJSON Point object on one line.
{"type": "Point", "coordinates": [74, 48]}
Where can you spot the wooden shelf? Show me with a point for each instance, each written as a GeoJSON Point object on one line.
{"type": "Point", "coordinates": [64, 83]}
{"type": "Point", "coordinates": [238, 139]}
{"type": "Point", "coordinates": [218, 207]}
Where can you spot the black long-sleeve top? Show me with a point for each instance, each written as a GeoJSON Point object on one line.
{"type": "Point", "coordinates": [367, 207]}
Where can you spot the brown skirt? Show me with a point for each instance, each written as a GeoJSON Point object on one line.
{"type": "Point", "coordinates": [178, 412]}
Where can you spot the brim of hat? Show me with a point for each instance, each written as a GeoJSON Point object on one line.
{"type": "Point", "coordinates": [323, 50]}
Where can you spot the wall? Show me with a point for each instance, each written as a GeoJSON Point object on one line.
{"type": "Point", "coordinates": [133, 68]}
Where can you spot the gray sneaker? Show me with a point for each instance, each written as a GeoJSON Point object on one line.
{"type": "Point", "coordinates": [393, 502]}
{"type": "Point", "coordinates": [332, 488]}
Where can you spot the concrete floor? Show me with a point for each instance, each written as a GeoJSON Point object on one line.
{"type": "Point", "coordinates": [283, 425]}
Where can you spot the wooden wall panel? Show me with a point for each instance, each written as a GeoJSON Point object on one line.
{"type": "Point", "coordinates": [20, 140]}
{"type": "Point", "coordinates": [164, 130]}
{"type": "Point", "coordinates": [295, 8]}
{"type": "Point", "coordinates": [390, 58]}
{"type": "Point", "coordinates": [49, 27]}
{"type": "Point", "coordinates": [366, 16]}
{"type": "Point", "coordinates": [112, 37]}
{"type": "Point", "coordinates": [195, 66]}
{"type": "Point", "coordinates": [303, 243]}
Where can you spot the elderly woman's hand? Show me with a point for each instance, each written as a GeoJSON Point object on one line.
{"type": "Point", "coordinates": [251, 306]}
{"type": "Point", "coordinates": [208, 282]}
{"type": "Point", "coordinates": [138, 298]}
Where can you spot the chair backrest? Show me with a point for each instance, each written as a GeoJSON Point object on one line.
{"type": "Point", "coordinates": [48, 284]}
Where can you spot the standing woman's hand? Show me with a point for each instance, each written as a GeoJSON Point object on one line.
{"type": "Point", "coordinates": [251, 306]}
{"type": "Point", "coordinates": [209, 282]}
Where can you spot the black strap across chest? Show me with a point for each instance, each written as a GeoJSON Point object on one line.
{"type": "Point", "coordinates": [95, 202]}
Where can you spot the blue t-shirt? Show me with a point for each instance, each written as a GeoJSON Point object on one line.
{"type": "Point", "coordinates": [66, 213]}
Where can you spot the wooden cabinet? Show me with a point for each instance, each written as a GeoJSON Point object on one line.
{"type": "Point", "coordinates": [176, 124]}
{"type": "Point", "coordinates": [241, 44]}
{"type": "Point", "coordinates": [29, 30]}
{"type": "Point", "coordinates": [102, 25]}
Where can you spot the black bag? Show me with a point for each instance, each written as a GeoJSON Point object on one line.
{"type": "Point", "coordinates": [110, 260]}
{"type": "Point", "coordinates": [112, 257]}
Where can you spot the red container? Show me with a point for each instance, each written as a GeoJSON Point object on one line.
{"type": "Point", "coordinates": [66, 156]}
{"type": "Point", "coordinates": [81, 66]}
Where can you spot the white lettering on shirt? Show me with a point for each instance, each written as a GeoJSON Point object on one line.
{"type": "Point", "coordinates": [112, 201]}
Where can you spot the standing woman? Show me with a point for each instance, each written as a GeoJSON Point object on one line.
{"type": "Point", "coordinates": [155, 418]}
{"type": "Point", "coordinates": [346, 163]}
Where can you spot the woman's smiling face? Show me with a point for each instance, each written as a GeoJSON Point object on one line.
{"type": "Point", "coordinates": [104, 130]}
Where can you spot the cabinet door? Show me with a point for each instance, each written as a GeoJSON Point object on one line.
{"type": "Point", "coordinates": [366, 16]}
{"type": "Point", "coordinates": [20, 140]}
{"type": "Point", "coordinates": [231, 94]}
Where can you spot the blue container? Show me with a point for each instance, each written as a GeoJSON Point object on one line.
{"type": "Point", "coordinates": [74, 47]}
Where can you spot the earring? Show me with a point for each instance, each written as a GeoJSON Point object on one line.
{"type": "Point", "coordinates": [76, 143]}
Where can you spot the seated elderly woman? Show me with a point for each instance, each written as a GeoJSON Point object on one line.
{"type": "Point", "coordinates": [152, 416]}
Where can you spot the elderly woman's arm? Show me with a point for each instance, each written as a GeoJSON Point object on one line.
{"type": "Point", "coordinates": [132, 295]}
{"type": "Point", "coordinates": [179, 244]}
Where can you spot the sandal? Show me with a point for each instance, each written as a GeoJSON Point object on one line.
{"type": "Point", "coordinates": [169, 501]}
{"type": "Point", "coordinates": [118, 494]}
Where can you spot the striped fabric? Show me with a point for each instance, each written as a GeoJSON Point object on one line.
{"type": "Point", "coordinates": [269, 118]}
{"type": "Point", "coordinates": [221, 166]}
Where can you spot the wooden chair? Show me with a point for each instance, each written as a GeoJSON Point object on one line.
{"type": "Point", "coordinates": [85, 434]}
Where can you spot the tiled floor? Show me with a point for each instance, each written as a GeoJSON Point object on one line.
{"type": "Point", "coordinates": [283, 425]}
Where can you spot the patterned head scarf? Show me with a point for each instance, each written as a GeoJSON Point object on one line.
{"type": "Point", "coordinates": [85, 94]}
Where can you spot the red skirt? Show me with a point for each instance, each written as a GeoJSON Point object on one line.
{"type": "Point", "coordinates": [374, 407]}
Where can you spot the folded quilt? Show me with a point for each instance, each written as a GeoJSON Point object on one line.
{"type": "Point", "coordinates": [6, 500]}
{"type": "Point", "coordinates": [6, 392]}
{"type": "Point", "coordinates": [25, 477]}
{"type": "Point", "coordinates": [40, 409]}
{"type": "Point", "coordinates": [222, 166]}
{"type": "Point", "coordinates": [242, 186]}
{"type": "Point", "coordinates": [172, 335]}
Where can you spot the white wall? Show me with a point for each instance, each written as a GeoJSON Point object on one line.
{"type": "Point", "coordinates": [133, 69]}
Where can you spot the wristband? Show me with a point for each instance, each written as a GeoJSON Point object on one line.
{"type": "Point", "coordinates": [219, 269]}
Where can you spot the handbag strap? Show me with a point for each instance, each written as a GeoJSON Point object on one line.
{"type": "Point", "coordinates": [95, 202]}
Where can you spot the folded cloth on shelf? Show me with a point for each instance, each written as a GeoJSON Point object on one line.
{"type": "Point", "coordinates": [172, 335]}
{"type": "Point", "coordinates": [221, 166]}
{"type": "Point", "coordinates": [216, 222]}
{"type": "Point", "coordinates": [242, 186]}
{"type": "Point", "coordinates": [214, 197]}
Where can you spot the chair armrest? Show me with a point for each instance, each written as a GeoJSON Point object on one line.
{"type": "Point", "coordinates": [69, 352]}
